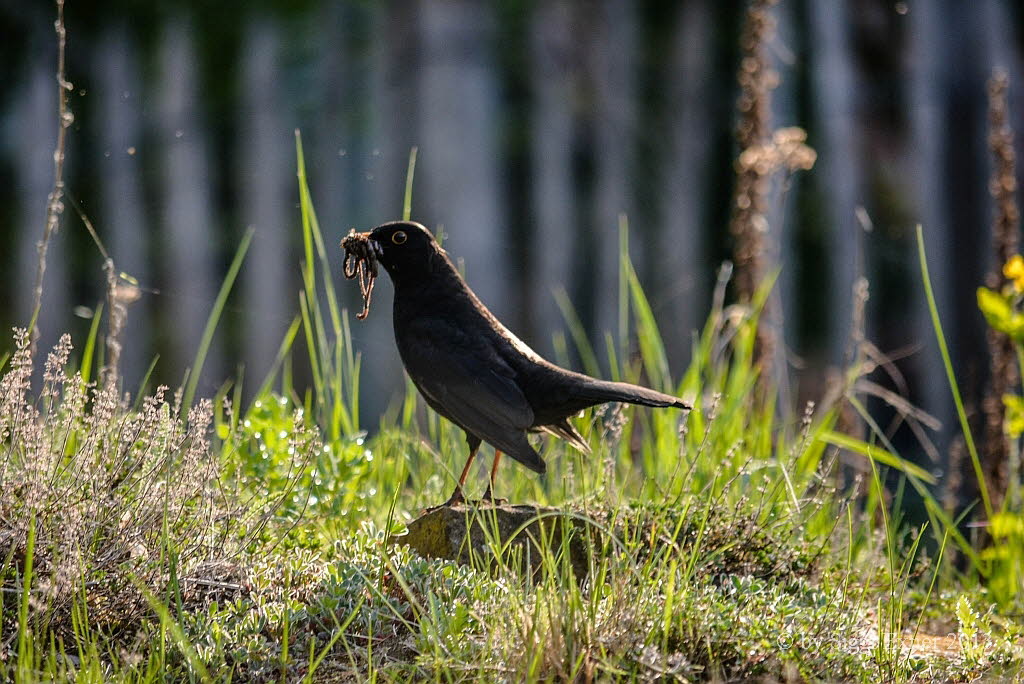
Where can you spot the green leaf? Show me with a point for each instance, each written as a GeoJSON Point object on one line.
{"type": "Point", "coordinates": [1000, 314]}
{"type": "Point", "coordinates": [90, 345]}
{"type": "Point", "coordinates": [652, 348]}
{"type": "Point", "coordinates": [1013, 422]}
{"type": "Point", "coordinates": [1005, 525]}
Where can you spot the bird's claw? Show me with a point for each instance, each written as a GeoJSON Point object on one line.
{"type": "Point", "coordinates": [453, 500]}
{"type": "Point", "coordinates": [458, 498]}
{"type": "Point", "coordinates": [488, 497]}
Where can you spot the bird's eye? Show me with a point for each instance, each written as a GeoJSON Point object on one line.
{"type": "Point", "coordinates": [399, 237]}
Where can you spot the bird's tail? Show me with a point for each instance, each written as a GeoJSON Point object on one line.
{"type": "Point", "coordinates": [600, 391]}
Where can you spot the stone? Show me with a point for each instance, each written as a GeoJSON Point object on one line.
{"type": "Point", "coordinates": [513, 535]}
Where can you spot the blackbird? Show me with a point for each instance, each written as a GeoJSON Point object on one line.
{"type": "Point", "coordinates": [468, 366]}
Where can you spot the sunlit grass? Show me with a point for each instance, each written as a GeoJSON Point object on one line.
{"type": "Point", "coordinates": [720, 543]}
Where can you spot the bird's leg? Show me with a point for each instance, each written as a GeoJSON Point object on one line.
{"type": "Point", "coordinates": [457, 496]}
{"type": "Point", "coordinates": [489, 494]}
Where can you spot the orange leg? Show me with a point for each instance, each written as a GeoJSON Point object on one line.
{"type": "Point", "coordinates": [489, 494]}
{"type": "Point", "coordinates": [457, 496]}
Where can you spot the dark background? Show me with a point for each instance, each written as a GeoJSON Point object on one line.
{"type": "Point", "coordinates": [537, 123]}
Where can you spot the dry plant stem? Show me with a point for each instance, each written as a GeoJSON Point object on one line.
{"type": "Point", "coordinates": [749, 224]}
{"type": "Point", "coordinates": [756, 82]}
{"type": "Point", "coordinates": [998, 449]}
{"type": "Point", "coordinates": [763, 152]}
{"type": "Point", "coordinates": [117, 312]}
{"type": "Point", "coordinates": [55, 201]}
{"type": "Point", "coordinates": [120, 293]}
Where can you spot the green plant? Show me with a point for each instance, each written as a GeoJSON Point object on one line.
{"type": "Point", "coordinates": [720, 544]}
{"type": "Point", "coordinates": [1003, 557]}
{"type": "Point", "coordinates": [325, 486]}
{"type": "Point", "coordinates": [972, 629]}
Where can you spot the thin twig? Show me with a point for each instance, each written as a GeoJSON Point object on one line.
{"type": "Point", "coordinates": [122, 290]}
{"type": "Point", "coordinates": [55, 200]}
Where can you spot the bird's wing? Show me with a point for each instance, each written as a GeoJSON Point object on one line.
{"type": "Point", "coordinates": [475, 388]}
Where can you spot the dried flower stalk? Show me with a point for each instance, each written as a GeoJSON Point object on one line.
{"type": "Point", "coordinates": [1005, 243]}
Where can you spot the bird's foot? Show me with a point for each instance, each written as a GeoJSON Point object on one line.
{"type": "Point", "coordinates": [488, 498]}
{"type": "Point", "coordinates": [455, 499]}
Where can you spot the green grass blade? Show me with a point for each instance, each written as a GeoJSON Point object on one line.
{"type": "Point", "coordinates": [876, 454]}
{"type": "Point", "coordinates": [339, 631]}
{"type": "Point", "coordinates": [652, 347]}
{"type": "Point", "coordinates": [312, 242]}
{"type": "Point", "coordinates": [214, 319]}
{"type": "Point", "coordinates": [939, 518]}
{"type": "Point", "coordinates": [314, 357]}
{"type": "Point", "coordinates": [25, 645]}
{"type": "Point", "coordinates": [578, 333]}
{"type": "Point", "coordinates": [624, 266]}
{"type": "Point", "coordinates": [321, 252]}
{"type": "Point", "coordinates": [954, 388]}
{"type": "Point", "coordinates": [144, 383]}
{"type": "Point", "coordinates": [89, 351]}
{"type": "Point", "coordinates": [333, 361]}
{"type": "Point", "coordinates": [616, 371]}
{"type": "Point", "coordinates": [410, 172]}
{"type": "Point", "coordinates": [282, 352]}
{"type": "Point", "coordinates": [307, 233]}
{"type": "Point", "coordinates": [171, 625]}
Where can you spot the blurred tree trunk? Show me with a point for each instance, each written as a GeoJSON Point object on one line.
{"type": "Point", "coordinates": [835, 106]}
{"type": "Point", "coordinates": [328, 150]}
{"type": "Point", "coordinates": [553, 62]}
{"type": "Point", "coordinates": [612, 68]}
{"type": "Point", "coordinates": [928, 62]}
{"type": "Point", "coordinates": [190, 238]}
{"type": "Point", "coordinates": [782, 251]}
{"type": "Point", "coordinates": [680, 258]}
{"type": "Point", "coordinates": [749, 221]}
{"type": "Point", "coordinates": [627, 116]}
{"type": "Point", "coordinates": [394, 85]}
{"type": "Point", "coordinates": [267, 190]}
{"type": "Point", "coordinates": [458, 162]}
{"type": "Point", "coordinates": [394, 77]}
{"type": "Point", "coordinates": [123, 224]}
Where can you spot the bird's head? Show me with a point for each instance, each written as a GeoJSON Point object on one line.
{"type": "Point", "coordinates": [407, 250]}
{"type": "Point", "coordinates": [403, 248]}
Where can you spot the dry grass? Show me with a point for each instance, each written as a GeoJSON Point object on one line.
{"type": "Point", "coordinates": [118, 499]}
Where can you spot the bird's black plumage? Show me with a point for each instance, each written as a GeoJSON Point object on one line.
{"type": "Point", "coordinates": [468, 366]}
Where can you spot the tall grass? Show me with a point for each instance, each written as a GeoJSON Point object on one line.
{"type": "Point", "coordinates": [728, 493]}
{"type": "Point", "coordinates": [264, 541]}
